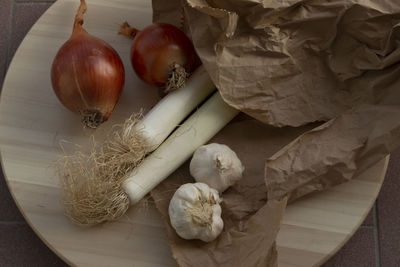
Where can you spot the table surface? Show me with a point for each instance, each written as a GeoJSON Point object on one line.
{"type": "Point", "coordinates": [18, 240]}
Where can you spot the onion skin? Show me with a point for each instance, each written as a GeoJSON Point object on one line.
{"type": "Point", "coordinates": [88, 76]}
{"type": "Point", "coordinates": [157, 49]}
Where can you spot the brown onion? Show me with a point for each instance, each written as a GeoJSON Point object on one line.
{"type": "Point", "coordinates": [87, 74]}
{"type": "Point", "coordinates": [161, 55]}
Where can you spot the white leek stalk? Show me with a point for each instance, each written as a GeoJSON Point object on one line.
{"type": "Point", "coordinates": [200, 127]}
{"type": "Point", "coordinates": [164, 117]}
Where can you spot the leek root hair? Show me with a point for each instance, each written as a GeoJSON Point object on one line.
{"type": "Point", "coordinates": [91, 182]}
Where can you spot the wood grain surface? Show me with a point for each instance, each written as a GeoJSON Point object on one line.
{"type": "Point", "coordinates": [33, 123]}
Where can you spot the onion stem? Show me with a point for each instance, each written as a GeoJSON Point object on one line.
{"type": "Point", "coordinates": [127, 30]}
{"type": "Point", "coordinates": [79, 15]}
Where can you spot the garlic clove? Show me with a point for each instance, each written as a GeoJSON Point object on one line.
{"type": "Point", "coordinates": [217, 166]}
{"type": "Point", "coordinates": [195, 212]}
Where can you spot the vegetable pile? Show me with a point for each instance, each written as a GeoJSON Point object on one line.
{"type": "Point", "coordinates": [273, 62]}
{"type": "Point", "coordinates": [101, 185]}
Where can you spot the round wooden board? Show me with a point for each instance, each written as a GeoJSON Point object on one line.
{"type": "Point", "coordinates": [32, 123]}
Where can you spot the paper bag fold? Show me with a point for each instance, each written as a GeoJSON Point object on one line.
{"type": "Point", "coordinates": [335, 152]}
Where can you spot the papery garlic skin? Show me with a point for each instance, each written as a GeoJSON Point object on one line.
{"type": "Point", "coordinates": [217, 166]}
{"type": "Point", "coordinates": [195, 212]}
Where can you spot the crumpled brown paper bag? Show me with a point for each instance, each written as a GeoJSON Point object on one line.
{"type": "Point", "coordinates": [335, 152]}
{"type": "Point", "coordinates": [291, 62]}
{"type": "Point", "coordinates": [294, 62]}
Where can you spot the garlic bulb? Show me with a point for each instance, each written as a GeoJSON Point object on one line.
{"type": "Point", "coordinates": [216, 165]}
{"type": "Point", "coordinates": [195, 212]}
